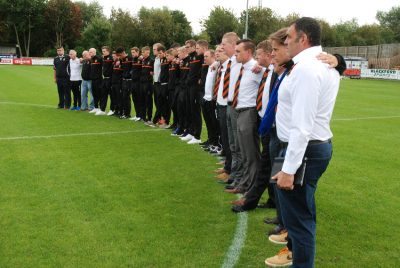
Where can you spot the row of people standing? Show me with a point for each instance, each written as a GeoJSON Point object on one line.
{"type": "Point", "coordinates": [236, 88]}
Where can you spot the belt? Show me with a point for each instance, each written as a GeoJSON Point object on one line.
{"type": "Point", "coordinates": [127, 79]}
{"type": "Point", "coordinates": [163, 84]}
{"type": "Point", "coordinates": [106, 77]}
{"type": "Point", "coordinates": [312, 142]}
{"type": "Point", "coordinates": [221, 106]}
{"type": "Point", "coordinates": [230, 103]}
{"type": "Point", "coordinates": [244, 109]}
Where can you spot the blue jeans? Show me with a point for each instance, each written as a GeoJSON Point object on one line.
{"type": "Point", "coordinates": [85, 88]}
{"type": "Point", "coordinates": [298, 206]}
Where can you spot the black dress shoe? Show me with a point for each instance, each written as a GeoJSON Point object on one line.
{"type": "Point", "coordinates": [238, 209]}
{"type": "Point", "coordinates": [268, 204]}
{"type": "Point", "coordinates": [230, 187]}
{"type": "Point", "coordinates": [205, 143]}
{"type": "Point", "coordinates": [276, 230]}
{"type": "Point", "coordinates": [271, 220]}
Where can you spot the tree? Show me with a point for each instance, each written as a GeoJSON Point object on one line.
{"type": "Point", "coordinates": [182, 30]}
{"type": "Point", "coordinates": [327, 35]}
{"type": "Point", "coordinates": [390, 20]}
{"type": "Point", "coordinates": [97, 33]}
{"type": "Point", "coordinates": [345, 33]}
{"type": "Point", "coordinates": [125, 29]}
{"type": "Point", "coordinates": [65, 21]}
{"type": "Point", "coordinates": [90, 11]}
{"type": "Point", "coordinates": [219, 22]}
{"type": "Point", "coordinates": [22, 16]}
{"type": "Point", "coordinates": [262, 22]}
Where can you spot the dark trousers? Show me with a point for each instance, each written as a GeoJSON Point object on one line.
{"type": "Point", "coordinates": [249, 142]}
{"type": "Point", "coordinates": [146, 101]}
{"type": "Point", "coordinates": [210, 118]}
{"type": "Point", "coordinates": [195, 99]}
{"type": "Point", "coordinates": [135, 95]}
{"type": "Point", "coordinates": [275, 147]}
{"type": "Point", "coordinates": [262, 181]}
{"type": "Point", "coordinates": [172, 108]}
{"type": "Point", "coordinates": [164, 104]}
{"type": "Point", "coordinates": [161, 101]}
{"type": "Point", "coordinates": [188, 111]}
{"type": "Point", "coordinates": [117, 93]}
{"type": "Point", "coordinates": [181, 108]}
{"type": "Point", "coordinates": [221, 116]}
{"type": "Point", "coordinates": [76, 92]}
{"type": "Point", "coordinates": [64, 93]}
{"type": "Point", "coordinates": [126, 97]}
{"type": "Point", "coordinates": [104, 92]}
{"type": "Point", "coordinates": [157, 115]}
{"type": "Point", "coordinates": [298, 206]}
{"type": "Point", "coordinates": [96, 90]}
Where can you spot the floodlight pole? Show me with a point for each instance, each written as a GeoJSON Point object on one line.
{"type": "Point", "coordinates": [247, 21]}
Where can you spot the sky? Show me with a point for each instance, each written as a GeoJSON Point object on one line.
{"type": "Point", "coordinates": [198, 10]}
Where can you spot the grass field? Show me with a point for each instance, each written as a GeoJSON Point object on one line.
{"type": "Point", "coordinates": [83, 191]}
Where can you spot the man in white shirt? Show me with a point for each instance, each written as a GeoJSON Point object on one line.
{"type": "Point", "coordinates": [228, 45]}
{"type": "Point", "coordinates": [244, 102]}
{"type": "Point", "coordinates": [75, 67]}
{"type": "Point", "coordinates": [209, 104]}
{"type": "Point", "coordinates": [221, 111]}
{"type": "Point", "coordinates": [250, 200]}
{"type": "Point", "coordinates": [156, 81]}
{"type": "Point", "coordinates": [306, 100]}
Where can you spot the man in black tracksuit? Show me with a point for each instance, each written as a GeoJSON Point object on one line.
{"type": "Point", "coordinates": [60, 66]}
{"type": "Point", "coordinates": [116, 82]}
{"type": "Point", "coordinates": [194, 95]}
{"type": "Point", "coordinates": [126, 63]}
{"type": "Point", "coordinates": [107, 73]}
{"type": "Point", "coordinates": [181, 91]}
{"type": "Point", "coordinates": [146, 86]}
{"type": "Point", "coordinates": [97, 78]}
{"type": "Point", "coordinates": [173, 77]}
{"type": "Point", "coordinates": [136, 72]}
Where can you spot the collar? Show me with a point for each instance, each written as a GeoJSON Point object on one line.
{"type": "Point", "coordinates": [310, 52]}
{"type": "Point", "coordinates": [249, 64]}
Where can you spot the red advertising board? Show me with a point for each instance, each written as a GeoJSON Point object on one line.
{"type": "Point", "coordinates": [352, 73]}
{"type": "Point", "coordinates": [22, 61]}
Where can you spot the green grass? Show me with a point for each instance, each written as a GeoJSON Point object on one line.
{"type": "Point", "coordinates": [145, 199]}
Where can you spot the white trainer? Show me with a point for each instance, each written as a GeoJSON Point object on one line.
{"type": "Point", "coordinates": [188, 137]}
{"type": "Point", "coordinates": [110, 113]}
{"type": "Point", "coordinates": [138, 119]}
{"type": "Point", "coordinates": [194, 141]}
{"type": "Point", "coordinates": [100, 112]}
{"type": "Point", "coordinates": [133, 118]}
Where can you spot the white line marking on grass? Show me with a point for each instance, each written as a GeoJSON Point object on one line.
{"type": "Point", "coordinates": [366, 118]}
{"type": "Point", "coordinates": [76, 134]}
{"type": "Point", "coordinates": [233, 254]}
{"type": "Point", "coordinates": [27, 104]}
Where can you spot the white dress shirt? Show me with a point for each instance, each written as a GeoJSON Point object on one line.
{"type": "Point", "coordinates": [209, 85]}
{"type": "Point", "coordinates": [235, 70]}
{"type": "Point", "coordinates": [265, 96]}
{"type": "Point", "coordinates": [249, 85]}
{"type": "Point", "coordinates": [76, 69]}
{"type": "Point", "coordinates": [306, 99]}
{"type": "Point", "coordinates": [157, 69]}
{"type": "Point", "coordinates": [220, 99]}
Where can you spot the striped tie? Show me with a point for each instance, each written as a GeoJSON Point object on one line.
{"type": "Point", "coordinates": [237, 86]}
{"type": "Point", "coordinates": [226, 80]}
{"type": "Point", "coordinates": [217, 82]}
{"type": "Point", "coordinates": [261, 90]}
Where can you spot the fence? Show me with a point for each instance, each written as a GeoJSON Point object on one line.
{"type": "Point", "coordinates": [385, 56]}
